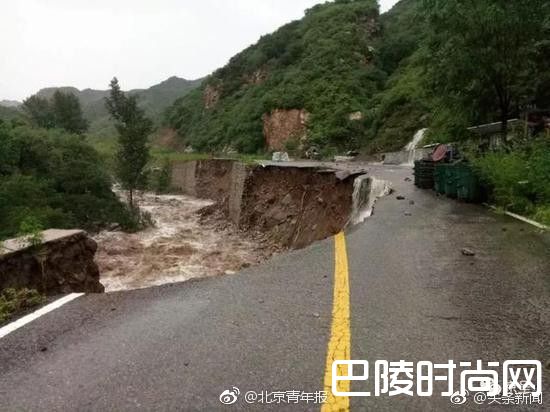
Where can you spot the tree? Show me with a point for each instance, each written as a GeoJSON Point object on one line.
{"type": "Point", "coordinates": [68, 113]}
{"type": "Point", "coordinates": [62, 111]}
{"type": "Point", "coordinates": [40, 111]}
{"type": "Point", "coordinates": [56, 180]}
{"type": "Point", "coordinates": [133, 129]}
{"type": "Point", "coordinates": [483, 53]}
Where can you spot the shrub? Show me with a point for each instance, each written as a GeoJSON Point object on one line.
{"type": "Point", "coordinates": [162, 177]}
{"type": "Point", "coordinates": [53, 179]}
{"type": "Point", "coordinates": [519, 179]}
{"type": "Point", "coordinates": [13, 301]}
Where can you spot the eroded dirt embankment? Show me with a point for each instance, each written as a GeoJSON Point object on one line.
{"type": "Point", "coordinates": [295, 206]}
{"type": "Point", "coordinates": [249, 213]}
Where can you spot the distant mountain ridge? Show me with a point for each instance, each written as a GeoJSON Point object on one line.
{"type": "Point", "coordinates": [153, 100]}
{"type": "Point", "coordinates": [10, 103]}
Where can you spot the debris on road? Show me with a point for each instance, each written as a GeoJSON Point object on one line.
{"type": "Point", "coordinates": [280, 157]}
{"type": "Point", "coordinates": [468, 252]}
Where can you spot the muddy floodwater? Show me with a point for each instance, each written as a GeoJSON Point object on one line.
{"type": "Point", "coordinates": [178, 248]}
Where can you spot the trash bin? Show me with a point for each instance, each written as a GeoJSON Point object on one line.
{"type": "Point", "coordinates": [424, 174]}
{"type": "Point", "coordinates": [439, 178]}
{"type": "Point", "coordinates": [451, 180]}
{"type": "Point", "coordinates": [468, 187]}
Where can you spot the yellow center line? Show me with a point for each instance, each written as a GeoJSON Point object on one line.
{"type": "Point", "coordinates": [340, 337]}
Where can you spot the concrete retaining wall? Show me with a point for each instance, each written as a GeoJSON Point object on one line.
{"type": "Point", "coordinates": [183, 177]}
{"type": "Point", "coordinates": [62, 263]}
{"type": "Point", "coordinates": [213, 179]}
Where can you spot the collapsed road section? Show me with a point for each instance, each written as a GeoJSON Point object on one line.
{"type": "Point", "coordinates": [293, 204]}
{"type": "Point", "coordinates": [226, 215]}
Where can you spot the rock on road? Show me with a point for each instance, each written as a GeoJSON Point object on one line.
{"type": "Point", "coordinates": [413, 296]}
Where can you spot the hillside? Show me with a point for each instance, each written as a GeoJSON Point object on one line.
{"type": "Point", "coordinates": [344, 77]}
{"type": "Point", "coordinates": [9, 103]}
{"type": "Point", "coordinates": [154, 100]}
{"type": "Point", "coordinates": [403, 106]}
{"type": "Point", "coordinates": [313, 77]}
{"type": "Point", "coordinates": [9, 113]}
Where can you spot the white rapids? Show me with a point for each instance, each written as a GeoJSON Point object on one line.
{"type": "Point", "coordinates": [178, 248]}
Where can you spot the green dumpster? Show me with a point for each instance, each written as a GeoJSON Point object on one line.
{"type": "Point", "coordinates": [468, 188]}
{"type": "Point", "coordinates": [450, 180]}
{"type": "Point", "coordinates": [439, 178]}
{"type": "Point", "coordinates": [424, 174]}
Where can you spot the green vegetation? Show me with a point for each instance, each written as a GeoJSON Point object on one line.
{"type": "Point", "coordinates": [485, 58]}
{"type": "Point", "coordinates": [323, 63]}
{"type": "Point", "coordinates": [14, 301]}
{"type": "Point", "coordinates": [68, 113]}
{"type": "Point", "coordinates": [133, 129]}
{"type": "Point", "coordinates": [367, 81]}
{"type": "Point", "coordinates": [9, 114]}
{"type": "Point", "coordinates": [31, 227]}
{"type": "Point", "coordinates": [161, 178]}
{"type": "Point", "coordinates": [53, 179]}
{"type": "Point", "coordinates": [483, 63]}
{"type": "Point", "coordinates": [519, 179]}
{"type": "Point", "coordinates": [440, 64]}
{"type": "Point", "coordinates": [61, 111]}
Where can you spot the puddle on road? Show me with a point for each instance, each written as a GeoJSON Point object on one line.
{"type": "Point", "coordinates": [178, 248]}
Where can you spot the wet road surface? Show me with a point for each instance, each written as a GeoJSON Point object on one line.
{"type": "Point", "coordinates": [413, 296]}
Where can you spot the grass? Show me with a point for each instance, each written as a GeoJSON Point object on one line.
{"type": "Point", "coordinates": [172, 155]}
{"type": "Point", "coordinates": [107, 149]}
{"type": "Point", "coordinates": [518, 178]}
{"type": "Point", "coordinates": [13, 302]}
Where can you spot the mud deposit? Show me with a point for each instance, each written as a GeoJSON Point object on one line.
{"type": "Point", "coordinates": [178, 248]}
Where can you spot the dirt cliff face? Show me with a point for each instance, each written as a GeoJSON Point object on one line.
{"type": "Point", "coordinates": [282, 125]}
{"type": "Point", "coordinates": [294, 207]}
{"type": "Point", "coordinates": [211, 96]}
{"type": "Point", "coordinates": [258, 77]}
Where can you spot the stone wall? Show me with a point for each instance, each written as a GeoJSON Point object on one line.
{"type": "Point", "coordinates": [62, 263]}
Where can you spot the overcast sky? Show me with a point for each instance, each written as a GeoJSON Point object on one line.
{"type": "Point", "coordinates": [85, 43]}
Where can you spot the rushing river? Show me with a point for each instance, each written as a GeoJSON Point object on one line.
{"type": "Point", "coordinates": [178, 248]}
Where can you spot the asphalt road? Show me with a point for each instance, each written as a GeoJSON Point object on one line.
{"type": "Point", "coordinates": [413, 297]}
